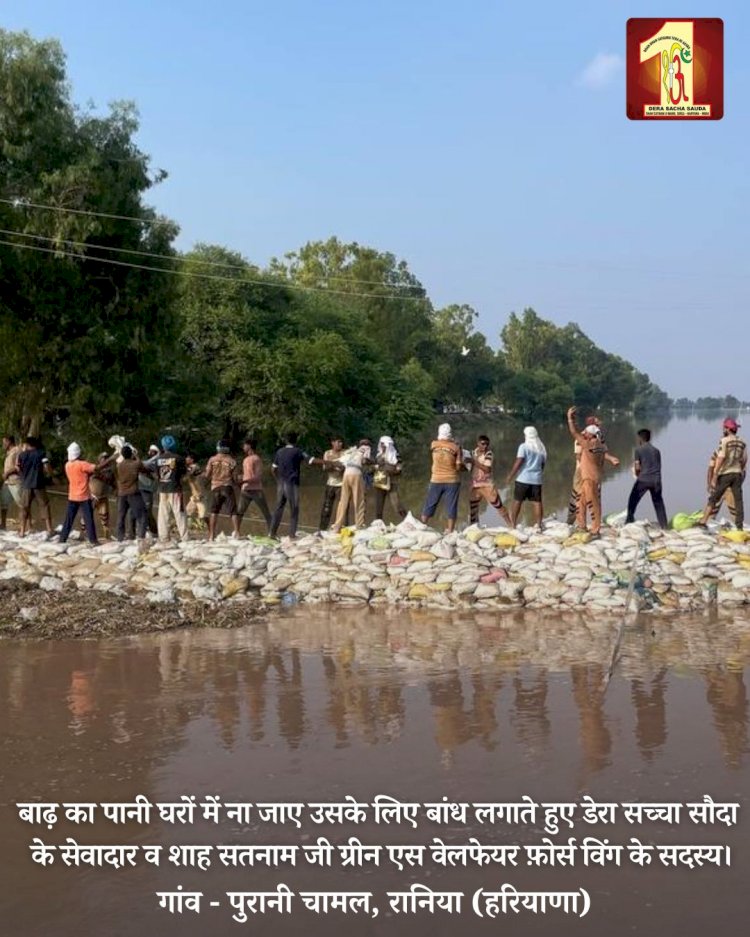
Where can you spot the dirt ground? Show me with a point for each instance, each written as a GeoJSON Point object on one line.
{"type": "Point", "coordinates": [29, 612]}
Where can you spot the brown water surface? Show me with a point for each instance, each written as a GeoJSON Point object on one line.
{"type": "Point", "coordinates": [315, 704]}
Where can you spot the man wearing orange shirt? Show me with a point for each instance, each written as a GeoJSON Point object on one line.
{"type": "Point", "coordinates": [593, 456]}
{"type": "Point", "coordinates": [445, 481]}
{"type": "Point", "coordinates": [79, 494]}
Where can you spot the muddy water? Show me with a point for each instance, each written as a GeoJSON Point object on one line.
{"type": "Point", "coordinates": [685, 443]}
{"type": "Point", "coordinates": [312, 705]}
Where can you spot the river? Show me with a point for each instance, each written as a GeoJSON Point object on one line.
{"type": "Point", "coordinates": [312, 705]}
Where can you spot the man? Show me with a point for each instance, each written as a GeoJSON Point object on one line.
{"type": "Point", "coordinates": [170, 471]}
{"type": "Point", "coordinates": [251, 488]}
{"type": "Point", "coordinates": [334, 471]}
{"type": "Point", "coordinates": [530, 462]}
{"type": "Point", "coordinates": [147, 486]}
{"type": "Point", "coordinates": [352, 484]}
{"type": "Point", "coordinates": [286, 471]}
{"type": "Point", "coordinates": [593, 455]}
{"type": "Point", "coordinates": [196, 482]}
{"type": "Point", "coordinates": [129, 499]}
{"type": "Point", "coordinates": [728, 497]}
{"type": "Point", "coordinates": [11, 489]}
{"type": "Point", "coordinates": [386, 478]}
{"type": "Point", "coordinates": [220, 472]}
{"type": "Point", "coordinates": [575, 493]}
{"type": "Point", "coordinates": [79, 475]}
{"type": "Point", "coordinates": [482, 485]}
{"type": "Point", "coordinates": [101, 486]}
{"type": "Point", "coordinates": [729, 473]}
{"type": "Point", "coordinates": [447, 463]}
{"type": "Point", "coordinates": [33, 467]}
{"type": "Point", "coordinates": [647, 469]}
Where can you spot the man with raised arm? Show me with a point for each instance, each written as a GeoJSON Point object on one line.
{"type": "Point", "coordinates": [594, 454]}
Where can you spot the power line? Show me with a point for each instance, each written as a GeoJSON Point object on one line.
{"type": "Point", "coordinates": [147, 222]}
{"type": "Point", "coordinates": [22, 203]}
{"type": "Point", "coordinates": [209, 276]}
{"type": "Point", "coordinates": [174, 257]}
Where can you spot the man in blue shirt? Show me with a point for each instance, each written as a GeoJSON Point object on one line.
{"type": "Point", "coordinates": [530, 459]}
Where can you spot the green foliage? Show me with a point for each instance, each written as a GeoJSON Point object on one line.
{"type": "Point", "coordinates": [334, 337]}
{"type": "Point", "coordinates": [408, 406]}
{"type": "Point", "coordinates": [552, 367]}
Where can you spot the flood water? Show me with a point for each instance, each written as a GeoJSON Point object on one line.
{"type": "Point", "coordinates": [312, 705]}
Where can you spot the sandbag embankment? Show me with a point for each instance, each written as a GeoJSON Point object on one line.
{"type": "Point", "coordinates": [409, 564]}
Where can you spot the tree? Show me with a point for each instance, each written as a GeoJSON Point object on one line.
{"type": "Point", "coordinates": [96, 335]}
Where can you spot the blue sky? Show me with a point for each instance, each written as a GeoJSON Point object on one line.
{"type": "Point", "coordinates": [485, 143]}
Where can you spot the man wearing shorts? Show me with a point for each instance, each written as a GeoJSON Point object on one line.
{"type": "Point", "coordinates": [32, 467]}
{"type": "Point", "coordinates": [531, 458]}
{"type": "Point", "coordinates": [220, 472]}
{"type": "Point", "coordinates": [482, 485]}
{"type": "Point", "coordinates": [447, 462]}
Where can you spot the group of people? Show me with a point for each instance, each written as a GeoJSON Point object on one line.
{"type": "Point", "coordinates": [231, 486]}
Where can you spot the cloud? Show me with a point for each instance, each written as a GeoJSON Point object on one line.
{"type": "Point", "coordinates": [601, 70]}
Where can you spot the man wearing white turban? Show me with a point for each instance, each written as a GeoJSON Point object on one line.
{"type": "Point", "coordinates": [79, 475]}
{"type": "Point", "coordinates": [531, 459]}
{"type": "Point", "coordinates": [447, 462]}
{"type": "Point", "coordinates": [385, 478]}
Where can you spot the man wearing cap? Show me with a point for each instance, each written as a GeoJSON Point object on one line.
{"type": "Point", "coordinates": [593, 456]}
{"type": "Point", "coordinates": [728, 473]}
{"type": "Point", "coordinates": [170, 470]}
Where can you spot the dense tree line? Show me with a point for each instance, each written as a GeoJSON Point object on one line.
{"type": "Point", "coordinates": [104, 325]}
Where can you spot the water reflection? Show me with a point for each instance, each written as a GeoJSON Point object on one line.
{"type": "Point", "coordinates": [363, 678]}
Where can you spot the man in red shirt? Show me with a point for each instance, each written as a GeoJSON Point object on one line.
{"type": "Point", "coordinates": [79, 494]}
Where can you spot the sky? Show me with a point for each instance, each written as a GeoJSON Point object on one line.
{"type": "Point", "coordinates": [484, 143]}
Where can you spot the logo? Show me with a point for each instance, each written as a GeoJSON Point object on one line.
{"type": "Point", "coordinates": [675, 69]}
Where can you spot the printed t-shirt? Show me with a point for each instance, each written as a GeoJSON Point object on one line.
{"type": "Point", "coordinates": [220, 470]}
{"type": "Point", "coordinates": [481, 473]}
{"type": "Point", "coordinates": [170, 470]}
{"type": "Point", "coordinates": [11, 460]}
{"type": "Point", "coordinates": [733, 449]}
{"type": "Point", "coordinates": [593, 451]}
{"type": "Point", "coordinates": [126, 473]}
{"type": "Point", "coordinates": [79, 473]}
{"type": "Point", "coordinates": [287, 462]}
{"type": "Point", "coordinates": [650, 461]}
{"type": "Point", "coordinates": [252, 473]}
{"type": "Point", "coordinates": [533, 466]}
{"type": "Point", "coordinates": [334, 479]}
{"type": "Point", "coordinates": [444, 453]}
{"type": "Point", "coordinates": [31, 467]}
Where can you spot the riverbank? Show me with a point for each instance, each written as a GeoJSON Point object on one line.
{"type": "Point", "coordinates": [73, 588]}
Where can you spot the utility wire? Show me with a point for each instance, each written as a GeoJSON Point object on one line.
{"type": "Point", "coordinates": [22, 203]}
{"type": "Point", "coordinates": [175, 257]}
{"type": "Point", "coordinates": [210, 276]}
